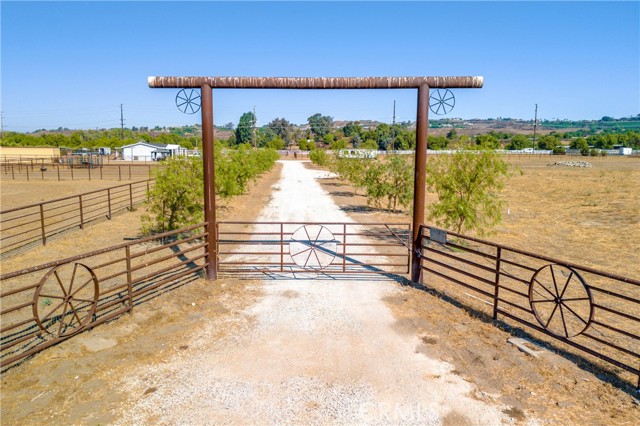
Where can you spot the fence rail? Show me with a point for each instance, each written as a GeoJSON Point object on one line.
{"type": "Point", "coordinates": [46, 304]}
{"type": "Point", "coordinates": [594, 311]}
{"type": "Point", "coordinates": [34, 170]}
{"type": "Point", "coordinates": [28, 226]}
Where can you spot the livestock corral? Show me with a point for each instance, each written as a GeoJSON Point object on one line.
{"type": "Point", "coordinates": [581, 216]}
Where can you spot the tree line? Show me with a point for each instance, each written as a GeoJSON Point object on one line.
{"type": "Point", "coordinates": [321, 132]}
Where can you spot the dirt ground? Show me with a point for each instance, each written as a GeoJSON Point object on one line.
{"type": "Point", "coordinates": [80, 381]}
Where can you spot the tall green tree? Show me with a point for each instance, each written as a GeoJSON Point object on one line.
{"type": "Point", "coordinates": [283, 130]}
{"type": "Point", "coordinates": [468, 186]}
{"type": "Point", "coordinates": [244, 131]}
{"type": "Point", "coordinates": [320, 125]}
{"type": "Point", "coordinates": [176, 200]}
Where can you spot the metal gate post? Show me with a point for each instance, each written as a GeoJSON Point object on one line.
{"type": "Point", "coordinates": [419, 179]}
{"type": "Point", "coordinates": [206, 94]}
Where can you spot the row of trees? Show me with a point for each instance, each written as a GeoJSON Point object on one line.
{"type": "Point", "coordinates": [468, 185]}
{"type": "Point", "coordinates": [176, 200]}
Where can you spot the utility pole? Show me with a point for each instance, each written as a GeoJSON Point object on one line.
{"type": "Point", "coordinates": [393, 127]}
{"type": "Point", "coordinates": [535, 126]}
{"type": "Point", "coordinates": [254, 127]}
{"type": "Point", "coordinates": [121, 123]}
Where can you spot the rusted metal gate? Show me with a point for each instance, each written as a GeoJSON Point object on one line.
{"type": "Point", "coordinates": [333, 247]}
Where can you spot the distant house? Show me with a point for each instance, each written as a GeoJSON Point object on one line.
{"type": "Point", "coordinates": [148, 151]}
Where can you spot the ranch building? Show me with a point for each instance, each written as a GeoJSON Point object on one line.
{"type": "Point", "coordinates": [148, 151]}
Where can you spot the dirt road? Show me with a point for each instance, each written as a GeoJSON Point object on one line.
{"type": "Point", "coordinates": [317, 351]}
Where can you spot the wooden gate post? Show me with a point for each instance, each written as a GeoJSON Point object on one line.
{"type": "Point", "coordinates": [206, 94]}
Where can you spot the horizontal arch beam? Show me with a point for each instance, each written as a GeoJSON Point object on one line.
{"type": "Point", "coordinates": [316, 82]}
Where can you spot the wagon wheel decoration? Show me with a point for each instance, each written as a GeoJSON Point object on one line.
{"type": "Point", "coordinates": [66, 299]}
{"type": "Point", "coordinates": [312, 247]}
{"type": "Point", "coordinates": [188, 101]}
{"type": "Point", "coordinates": [561, 300]}
{"type": "Point", "coordinates": [441, 101]}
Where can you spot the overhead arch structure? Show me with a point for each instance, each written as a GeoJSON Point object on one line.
{"type": "Point", "coordinates": [422, 84]}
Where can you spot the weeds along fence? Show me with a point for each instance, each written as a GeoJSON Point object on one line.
{"type": "Point", "coordinates": [586, 309]}
{"type": "Point", "coordinates": [24, 227]}
{"type": "Point", "coordinates": [47, 304]}
{"type": "Point", "coordinates": [34, 170]}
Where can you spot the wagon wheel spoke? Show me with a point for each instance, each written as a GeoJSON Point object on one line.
{"type": "Point", "coordinates": [575, 299]}
{"type": "Point", "coordinates": [46, 317]}
{"type": "Point", "coordinates": [73, 278]}
{"type": "Point", "coordinates": [64, 291]}
{"type": "Point", "coordinates": [302, 251]}
{"type": "Point", "coordinates": [564, 322]}
{"type": "Point", "coordinates": [555, 308]}
{"type": "Point", "coordinates": [545, 288]}
{"type": "Point", "coordinates": [82, 286]}
{"type": "Point", "coordinates": [307, 261]}
{"type": "Point", "coordinates": [64, 313]}
{"type": "Point", "coordinates": [315, 253]}
{"type": "Point", "coordinates": [75, 313]}
{"type": "Point", "coordinates": [566, 284]}
{"type": "Point", "coordinates": [51, 296]}
{"type": "Point", "coordinates": [542, 301]}
{"type": "Point", "coordinates": [541, 295]}
{"type": "Point", "coordinates": [555, 285]}
{"type": "Point", "coordinates": [574, 313]}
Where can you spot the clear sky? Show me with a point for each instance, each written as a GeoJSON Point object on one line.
{"type": "Point", "coordinates": [72, 64]}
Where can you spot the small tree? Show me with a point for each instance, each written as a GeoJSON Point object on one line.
{"type": "Point", "coordinates": [176, 200]}
{"type": "Point", "coordinates": [468, 185]}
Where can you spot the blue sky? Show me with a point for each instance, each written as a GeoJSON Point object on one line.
{"type": "Point", "coordinates": [72, 64]}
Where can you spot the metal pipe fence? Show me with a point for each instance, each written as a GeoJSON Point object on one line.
{"type": "Point", "coordinates": [47, 304]}
{"type": "Point", "coordinates": [52, 171]}
{"type": "Point", "coordinates": [28, 226]}
{"type": "Point", "coordinates": [594, 311]}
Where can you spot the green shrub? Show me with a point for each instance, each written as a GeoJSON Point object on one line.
{"type": "Point", "coordinates": [319, 157]}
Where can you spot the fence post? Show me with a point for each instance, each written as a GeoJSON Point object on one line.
{"type": "Point", "coordinates": [81, 213]}
{"type": "Point", "coordinates": [100, 171]}
{"type": "Point", "coordinates": [129, 171]}
{"type": "Point", "coordinates": [58, 170]}
{"type": "Point", "coordinates": [119, 173]}
{"type": "Point", "coordinates": [13, 175]}
{"type": "Point", "coordinates": [109, 203]}
{"type": "Point", "coordinates": [89, 168]}
{"type": "Point", "coordinates": [27, 168]}
{"type": "Point", "coordinates": [149, 171]}
{"type": "Point", "coordinates": [129, 280]}
{"type": "Point", "coordinates": [344, 247]}
{"type": "Point", "coordinates": [131, 197]}
{"type": "Point", "coordinates": [71, 167]}
{"type": "Point", "coordinates": [44, 235]}
{"type": "Point", "coordinates": [497, 284]}
{"type": "Point", "coordinates": [281, 247]}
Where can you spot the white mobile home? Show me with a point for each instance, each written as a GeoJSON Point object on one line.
{"type": "Point", "coordinates": [148, 151]}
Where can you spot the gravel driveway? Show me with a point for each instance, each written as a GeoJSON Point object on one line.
{"type": "Point", "coordinates": [315, 350]}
